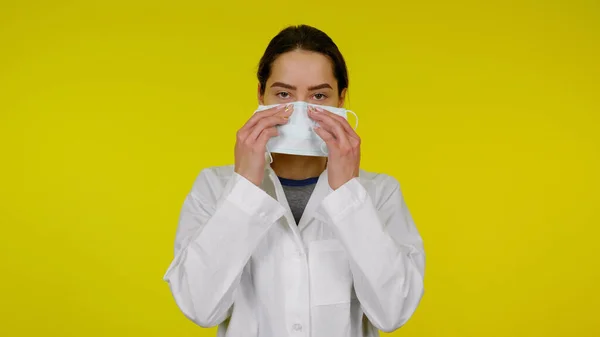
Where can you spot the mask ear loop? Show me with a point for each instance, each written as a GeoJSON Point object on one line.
{"type": "Point", "coordinates": [324, 149]}
{"type": "Point", "coordinates": [355, 118]}
{"type": "Point", "coordinates": [270, 157]}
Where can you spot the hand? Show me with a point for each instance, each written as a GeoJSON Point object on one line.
{"type": "Point", "coordinates": [343, 144]}
{"type": "Point", "coordinates": [252, 138]}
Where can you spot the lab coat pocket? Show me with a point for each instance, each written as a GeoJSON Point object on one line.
{"type": "Point", "coordinates": [330, 276]}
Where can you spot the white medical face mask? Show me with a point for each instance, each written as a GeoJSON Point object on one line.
{"type": "Point", "coordinates": [297, 136]}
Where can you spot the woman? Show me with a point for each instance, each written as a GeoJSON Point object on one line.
{"type": "Point", "coordinates": [304, 245]}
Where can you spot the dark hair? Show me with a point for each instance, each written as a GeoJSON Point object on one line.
{"type": "Point", "coordinates": [302, 37]}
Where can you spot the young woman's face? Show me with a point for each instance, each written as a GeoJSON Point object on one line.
{"type": "Point", "coordinates": [302, 75]}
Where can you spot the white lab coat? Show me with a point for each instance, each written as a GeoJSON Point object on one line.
{"type": "Point", "coordinates": [353, 265]}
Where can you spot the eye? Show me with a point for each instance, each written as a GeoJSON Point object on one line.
{"type": "Point", "coordinates": [320, 96]}
{"type": "Point", "coordinates": [283, 94]}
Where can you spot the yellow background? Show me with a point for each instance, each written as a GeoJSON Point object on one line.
{"type": "Point", "coordinates": [487, 112]}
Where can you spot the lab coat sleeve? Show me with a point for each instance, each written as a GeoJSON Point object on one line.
{"type": "Point", "coordinates": [215, 238]}
{"type": "Point", "coordinates": [384, 249]}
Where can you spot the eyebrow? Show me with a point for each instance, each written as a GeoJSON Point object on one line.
{"type": "Point", "coordinates": [283, 85]}
{"type": "Point", "coordinates": [291, 87]}
{"type": "Point", "coordinates": [320, 86]}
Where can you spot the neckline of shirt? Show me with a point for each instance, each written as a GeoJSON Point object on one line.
{"type": "Point", "coordinates": [301, 182]}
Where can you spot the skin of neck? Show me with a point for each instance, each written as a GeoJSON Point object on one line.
{"type": "Point", "coordinates": [297, 167]}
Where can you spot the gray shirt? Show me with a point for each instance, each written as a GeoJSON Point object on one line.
{"type": "Point", "coordinates": [297, 193]}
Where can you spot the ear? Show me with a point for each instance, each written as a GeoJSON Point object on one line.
{"type": "Point", "coordinates": [259, 96]}
{"type": "Point", "coordinates": [342, 98]}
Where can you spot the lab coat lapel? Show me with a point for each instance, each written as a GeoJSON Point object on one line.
{"type": "Point", "coordinates": [280, 196]}
{"type": "Point", "coordinates": [321, 190]}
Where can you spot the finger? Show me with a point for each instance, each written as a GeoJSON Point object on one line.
{"type": "Point", "coordinates": [264, 137]}
{"type": "Point", "coordinates": [327, 137]}
{"type": "Point", "coordinates": [287, 111]}
{"type": "Point", "coordinates": [323, 124]}
{"type": "Point", "coordinates": [344, 122]}
{"type": "Point", "coordinates": [252, 121]}
{"type": "Point", "coordinates": [264, 123]}
{"type": "Point", "coordinates": [349, 130]}
{"type": "Point", "coordinates": [332, 125]}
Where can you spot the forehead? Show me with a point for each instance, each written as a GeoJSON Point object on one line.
{"type": "Point", "coordinates": [302, 68]}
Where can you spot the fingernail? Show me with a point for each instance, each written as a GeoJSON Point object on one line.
{"type": "Point", "coordinates": [319, 109]}
{"type": "Point", "coordinates": [287, 108]}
